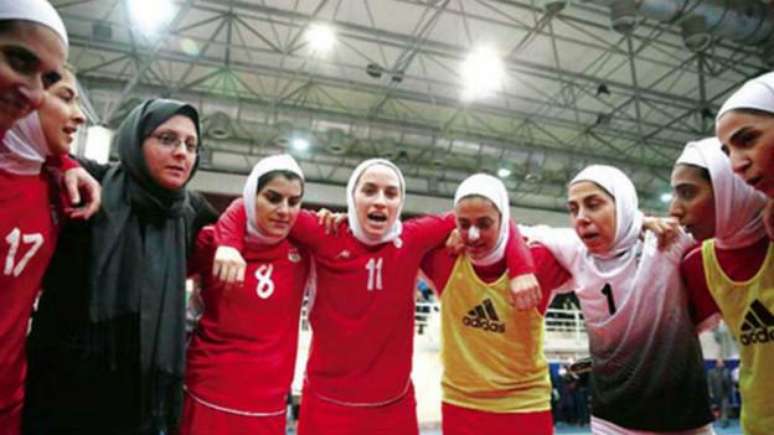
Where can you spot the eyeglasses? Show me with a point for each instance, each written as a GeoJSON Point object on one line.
{"type": "Point", "coordinates": [170, 140]}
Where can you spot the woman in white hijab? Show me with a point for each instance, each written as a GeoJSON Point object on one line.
{"type": "Point", "coordinates": [732, 274]}
{"type": "Point", "coordinates": [27, 228]}
{"type": "Point", "coordinates": [242, 355]}
{"type": "Point", "coordinates": [495, 377]}
{"type": "Point", "coordinates": [647, 369]}
{"type": "Point", "coordinates": [33, 40]}
{"type": "Point", "coordinates": [364, 303]}
{"type": "Point", "coordinates": [745, 126]}
{"type": "Point", "coordinates": [33, 43]}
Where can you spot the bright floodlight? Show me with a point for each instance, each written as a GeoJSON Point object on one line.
{"type": "Point", "coordinates": [300, 144]}
{"type": "Point", "coordinates": [482, 74]}
{"type": "Point", "coordinates": [150, 16]}
{"type": "Point", "coordinates": [320, 38]}
{"type": "Point", "coordinates": [503, 172]}
{"type": "Point", "coordinates": [98, 143]}
{"type": "Point", "coordinates": [666, 197]}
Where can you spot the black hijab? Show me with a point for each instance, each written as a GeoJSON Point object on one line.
{"type": "Point", "coordinates": [139, 243]}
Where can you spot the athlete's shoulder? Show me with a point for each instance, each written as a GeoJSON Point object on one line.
{"type": "Point", "coordinates": [692, 256]}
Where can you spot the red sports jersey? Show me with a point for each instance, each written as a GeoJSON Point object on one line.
{"type": "Point", "coordinates": [199, 419]}
{"type": "Point", "coordinates": [242, 355]}
{"type": "Point", "coordinates": [363, 313]}
{"type": "Point", "coordinates": [464, 421]}
{"type": "Point", "coordinates": [62, 162]}
{"type": "Point", "coordinates": [738, 264]}
{"type": "Point", "coordinates": [27, 241]}
{"type": "Point", "coordinates": [439, 263]}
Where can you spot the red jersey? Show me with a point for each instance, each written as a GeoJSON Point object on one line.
{"type": "Point", "coordinates": [438, 266]}
{"type": "Point", "coordinates": [738, 264]}
{"type": "Point", "coordinates": [363, 313]}
{"type": "Point", "coordinates": [242, 355]}
{"type": "Point", "coordinates": [27, 241]}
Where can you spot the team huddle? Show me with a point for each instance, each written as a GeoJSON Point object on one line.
{"type": "Point", "coordinates": [107, 249]}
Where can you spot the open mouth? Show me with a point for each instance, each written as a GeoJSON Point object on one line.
{"type": "Point", "coordinates": [590, 237]}
{"type": "Point", "coordinates": [377, 217]}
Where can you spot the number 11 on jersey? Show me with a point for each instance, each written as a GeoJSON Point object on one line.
{"type": "Point", "coordinates": [374, 268]}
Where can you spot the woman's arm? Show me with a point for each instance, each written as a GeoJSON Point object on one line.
{"type": "Point", "coordinates": [204, 212]}
{"type": "Point", "coordinates": [550, 274]}
{"type": "Point", "coordinates": [232, 228]}
{"type": "Point", "coordinates": [81, 195]}
{"type": "Point", "coordinates": [230, 232]}
{"type": "Point", "coordinates": [563, 243]}
{"type": "Point", "coordinates": [525, 289]}
{"type": "Point", "coordinates": [200, 261]}
{"type": "Point", "coordinates": [429, 231]}
{"type": "Point", "coordinates": [701, 305]}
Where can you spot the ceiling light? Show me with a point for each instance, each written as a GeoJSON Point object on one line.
{"type": "Point", "coordinates": [666, 197]}
{"type": "Point", "coordinates": [503, 172]}
{"type": "Point", "coordinates": [150, 16]}
{"type": "Point", "coordinates": [320, 38]}
{"type": "Point", "coordinates": [483, 73]}
{"type": "Point", "coordinates": [189, 47]}
{"type": "Point", "coordinates": [300, 144]}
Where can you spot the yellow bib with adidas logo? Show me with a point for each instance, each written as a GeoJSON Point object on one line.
{"type": "Point", "coordinates": [492, 354]}
{"type": "Point", "coordinates": [748, 309]}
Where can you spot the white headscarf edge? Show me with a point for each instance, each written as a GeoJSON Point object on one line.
{"type": "Point", "coordinates": [24, 147]}
{"type": "Point", "coordinates": [494, 190]}
{"type": "Point", "coordinates": [357, 230]}
{"type": "Point", "coordinates": [738, 206]}
{"type": "Point", "coordinates": [37, 11]}
{"type": "Point", "coordinates": [756, 93]}
{"type": "Point", "coordinates": [628, 215]}
{"type": "Point", "coordinates": [280, 162]}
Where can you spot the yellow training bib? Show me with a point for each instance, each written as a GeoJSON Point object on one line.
{"type": "Point", "coordinates": [747, 308]}
{"type": "Point", "coordinates": [492, 354]}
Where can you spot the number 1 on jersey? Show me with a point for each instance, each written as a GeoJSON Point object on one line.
{"type": "Point", "coordinates": [374, 268]}
{"type": "Point", "coordinates": [608, 291]}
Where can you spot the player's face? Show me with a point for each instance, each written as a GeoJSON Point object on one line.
{"type": "Point", "coordinates": [377, 199]}
{"type": "Point", "coordinates": [693, 201]}
{"type": "Point", "coordinates": [592, 212]}
{"type": "Point", "coordinates": [748, 139]}
{"type": "Point", "coordinates": [277, 206]}
{"type": "Point", "coordinates": [60, 114]}
{"type": "Point", "coordinates": [170, 152]}
{"type": "Point", "coordinates": [478, 222]}
{"type": "Point", "coordinates": [31, 56]}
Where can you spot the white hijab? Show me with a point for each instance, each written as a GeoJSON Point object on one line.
{"type": "Point", "coordinates": [738, 206]}
{"type": "Point", "coordinates": [494, 190]}
{"type": "Point", "coordinates": [757, 93]}
{"type": "Point", "coordinates": [38, 11]}
{"type": "Point", "coordinates": [24, 148]}
{"type": "Point", "coordinates": [357, 230]}
{"type": "Point", "coordinates": [628, 215]}
{"type": "Point", "coordinates": [281, 162]}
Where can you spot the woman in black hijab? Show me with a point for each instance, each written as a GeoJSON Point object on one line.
{"type": "Point", "coordinates": [106, 351]}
